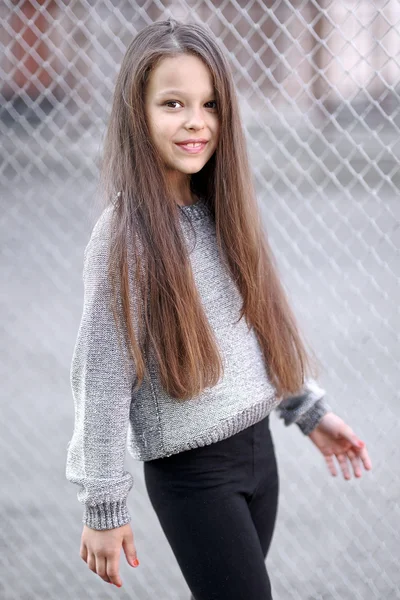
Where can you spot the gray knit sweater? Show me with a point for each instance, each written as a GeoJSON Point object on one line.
{"type": "Point", "coordinates": [108, 414]}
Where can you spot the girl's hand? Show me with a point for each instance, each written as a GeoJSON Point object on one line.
{"type": "Point", "coordinates": [101, 551]}
{"type": "Point", "coordinates": [333, 437]}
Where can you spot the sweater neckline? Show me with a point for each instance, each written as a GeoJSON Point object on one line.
{"type": "Point", "coordinates": [196, 210]}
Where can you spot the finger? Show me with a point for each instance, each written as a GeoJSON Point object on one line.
{"type": "Point", "coordinates": [83, 552]}
{"type": "Point", "coordinates": [129, 548]}
{"type": "Point", "coordinates": [106, 574]}
{"type": "Point", "coordinates": [342, 460]}
{"type": "Point", "coordinates": [101, 568]}
{"type": "Point", "coordinates": [91, 562]}
{"type": "Point", "coordinates": [331, 465]}
{"type": "Point", "coordinates": [112, 570]}
{"type": "Point", "coordinates": [349, 435]}
{"type": "Point", "coordinates": [364, 456]}
{"type": "Point", "coordinates": [355, 462]}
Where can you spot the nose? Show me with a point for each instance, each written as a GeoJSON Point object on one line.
{"type": "Point", "coordinates": [195, 119]}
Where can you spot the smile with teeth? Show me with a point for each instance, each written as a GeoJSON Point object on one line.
{"type": "Point", "coordinates": [193, 147]}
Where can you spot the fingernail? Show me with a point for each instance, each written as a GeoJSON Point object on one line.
{"type": "Point", "coordinates": [135, 562]}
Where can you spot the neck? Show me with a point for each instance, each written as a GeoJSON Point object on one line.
{"type": "Point", "coordinates": [180, 184]}
{"type": "Point", "coordinates": [187, 199]}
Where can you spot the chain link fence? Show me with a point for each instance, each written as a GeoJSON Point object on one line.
{"type": "Point", "coordinates": [319, 89]}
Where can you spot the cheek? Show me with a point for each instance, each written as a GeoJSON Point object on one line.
{"type": "Point", "coordinates": [215, 127]}
{"type": "Point", "coordinates": [156, 124]}
{"type": "Point", "coordinates": [152, 128]}
{"type": "Point", "coordinates": [157, 133]}
{"type": "Point", "coordinates": [163, 130]}
{"type": "Point", "coordinates": [216, 133]}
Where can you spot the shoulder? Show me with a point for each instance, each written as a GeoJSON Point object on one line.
{"type": "Point", "coordinates": [103, 235]}
{"type": "Point", "coordinates": [96, 252]}
{"type": "Point", "coordinates": [101, 230]}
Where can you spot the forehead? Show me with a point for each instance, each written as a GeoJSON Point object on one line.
{"type": "Point", "coordinates": [184, 73]}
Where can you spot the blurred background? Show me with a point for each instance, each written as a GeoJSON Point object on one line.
{"type": "Point", "coordinates": [319, 86]}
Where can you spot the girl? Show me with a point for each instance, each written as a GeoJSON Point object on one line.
{"type": "Point", "coordinates": [187, 341]}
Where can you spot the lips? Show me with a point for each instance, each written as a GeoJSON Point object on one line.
{"type": "Point", "coordinates": [192, 141]}
{"type": "Point", "coordinates": [190, 149]}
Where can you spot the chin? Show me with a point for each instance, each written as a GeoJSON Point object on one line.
{"type": "Point", "coordinates": [194, 168]}
{"type": "Point", "coordinates": [187, 167]}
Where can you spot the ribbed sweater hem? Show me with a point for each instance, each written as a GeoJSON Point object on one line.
{"type": "Point", "coordinates": [106, 515]}
{"type": "Point", "coordinates": [220, 431]}
{"type": "Point", "coordinates": [308, 422]}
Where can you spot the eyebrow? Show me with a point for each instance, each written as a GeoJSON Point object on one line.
{"type": "Point", "coordinates": [179, 92]}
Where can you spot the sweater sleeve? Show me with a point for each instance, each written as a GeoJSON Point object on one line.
{"type": "Point", "coordinates": [306, 408]}
{"type": "Point", "coordinates": [102, 376]}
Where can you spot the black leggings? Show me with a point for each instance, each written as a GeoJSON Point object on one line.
{"type": "Point", "coordinates": [217, 506]}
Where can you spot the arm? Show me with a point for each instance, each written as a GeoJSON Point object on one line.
{"type": "Point", "coordinates": [330, 434]}
{"type": "Point", "coordinates": [306, 408]}
{"type": "Point", "coordinates": [102, 392]}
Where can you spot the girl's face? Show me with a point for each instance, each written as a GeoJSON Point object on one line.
{"type": "Point", "coordinates": [180, 105]}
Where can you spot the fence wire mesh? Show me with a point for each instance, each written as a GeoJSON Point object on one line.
{"type": "Point", "coordinates": [319, 84]}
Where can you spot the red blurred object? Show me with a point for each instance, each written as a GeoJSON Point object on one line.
{"type": "Point", "coordinates": [33, 51]}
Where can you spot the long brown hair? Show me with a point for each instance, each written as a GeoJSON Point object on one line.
{"type": "Point", "coordinates": [168, 312]}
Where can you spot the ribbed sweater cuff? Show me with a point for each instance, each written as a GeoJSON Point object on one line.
{"type": "Point", "coordinates": [106, 515]}
{"type": "Point", "coordinates": [312, 417]}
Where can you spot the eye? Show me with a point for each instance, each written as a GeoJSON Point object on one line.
{"type": "Point", "coordinates": [177, 102]}
{"type": "Point", "coordinates": [171, 102]}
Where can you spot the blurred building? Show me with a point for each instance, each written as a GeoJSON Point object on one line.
{"type": "Point", "coordinates": [292, 53]}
